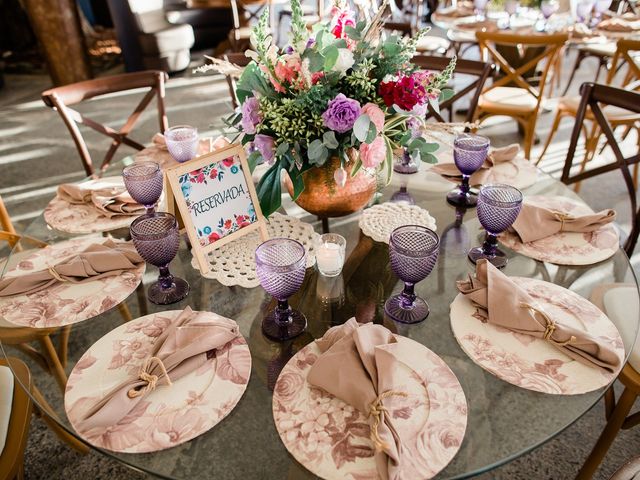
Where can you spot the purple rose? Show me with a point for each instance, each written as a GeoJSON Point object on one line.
{"type": "Point", "coordinates": [266, 146]}
{"type": "Point", "coordinates": [250, 115]}
{"type": "Point", "coordinates": [341, 113]}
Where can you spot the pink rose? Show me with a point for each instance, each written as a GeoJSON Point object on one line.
{"type": "Point", "coordinates": [375, 114]}
{"type": "Point", "coordinates": [373, 154]}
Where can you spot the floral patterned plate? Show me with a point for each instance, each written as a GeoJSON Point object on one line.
{"type": "Point", "coordinates": [170, 415]}
{"type": "Point", "coordinates": [567, 248]}
{"type": "Point", "coordinates": [530, 362]}
{"type": "Point", "coordinates": [82, 219]}
{"type": "Point", "coordinates": [65, 303]}
{"type": "Point", "coordinates": [331, 438]}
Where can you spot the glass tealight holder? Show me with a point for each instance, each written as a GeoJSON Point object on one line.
{"type": "Point", "coordinates": [330, 251]}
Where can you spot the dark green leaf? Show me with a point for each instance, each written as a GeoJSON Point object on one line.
{"type": "Point", "coordinates": [269, 190]}
{"type": "Point", "coordinates": [298, 183]}
{"type": "Point", "coordinates": [253, 160]}
{"type": "Point", "coordinates": [429, 158]}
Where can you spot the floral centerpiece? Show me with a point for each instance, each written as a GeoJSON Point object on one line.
{"type": "Point", "coordinates": [342, 94]}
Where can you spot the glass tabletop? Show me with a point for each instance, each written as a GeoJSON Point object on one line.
{"type": "Point", "coordinates": [504, 421]}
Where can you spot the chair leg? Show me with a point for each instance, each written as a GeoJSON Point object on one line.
{"type": "Point", "coordinates": [579, 59]}
{"type": "Point", "coordinates": [48, 416]}
{"type": "Point", "coordinates": [124, 311]}
{"type": "Point", "coordinates": [142, 300]}
{"type": "Point", "coordinates": [608, 435]}
{"type": "Point", "coordinates": [51, 355]}
{"type": "Point", "coordinates": [554, 129]}
{"type": "Point", "coordinates": [529, 134]}
{"type": "Point", "coordinates": [63, 342]}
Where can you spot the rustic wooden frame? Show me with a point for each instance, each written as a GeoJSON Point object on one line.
{"type": "Point", "coordinates": [176, 199]}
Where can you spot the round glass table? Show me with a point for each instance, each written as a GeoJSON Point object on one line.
{"type": "Point", "coordinates": [504, 421]}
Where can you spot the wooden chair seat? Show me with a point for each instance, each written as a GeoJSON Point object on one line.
{"type": "Point", "coordinates": [12, 457]}
{"type": "Point", "coordinates": [602, 49]}
{"type": "Point", "coordinates": [571, 104]}
{"type": "Point", "coordinates": [508, 100]}
{"type": "Point", "coordinates": [430, 43]}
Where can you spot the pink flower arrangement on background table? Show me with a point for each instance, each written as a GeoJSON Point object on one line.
{"type": "Point", "coordinates": [343, 89]}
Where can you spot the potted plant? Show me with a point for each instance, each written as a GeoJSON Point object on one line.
{"type": "Point", "coordinates": [331, 107]}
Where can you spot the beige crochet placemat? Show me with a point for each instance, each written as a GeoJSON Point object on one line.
{"type": "Point", "coordinates": [379, 221]}
{"type": "Point", "coordinates": [234, 263]}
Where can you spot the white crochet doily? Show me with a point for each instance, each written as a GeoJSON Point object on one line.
{"type": "Point", "coordinates": [234, 263]}
{"type": "Point", "coordinates": [379, 221]}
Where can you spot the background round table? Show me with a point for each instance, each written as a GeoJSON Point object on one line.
{"type": "Point", "coordinates": [504, 421]}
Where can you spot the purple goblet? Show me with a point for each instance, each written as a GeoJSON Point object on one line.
{"type": "Point", "coordinates": [182, 142]}
{"type": "Point", "coordinates": [280, 265]}
{"type": "Point", "coordinates": [144, 183]}
{"type": "Point", "coordinates": [498, 207]}
{"type": "Point", "coordinates": [157, 238]}
{"type": "Point", "coordinates": [413, 250]}
{"type": "Point", "coordinates": [469, 153]}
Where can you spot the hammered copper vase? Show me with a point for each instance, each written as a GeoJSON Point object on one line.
{"type": "Point", "coordinates": [324, 198]}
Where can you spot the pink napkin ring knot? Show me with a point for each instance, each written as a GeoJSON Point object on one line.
{"type": "Point", "coordinates": [377, 410]}
{"type": "Point", "coordinates": [150, 379]}
{"type": "Point", "coordinates": [550, 326]}
{"type": "Point", "coordinates": [562, 217]}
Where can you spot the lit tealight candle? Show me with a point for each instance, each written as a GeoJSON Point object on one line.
{"type": "Point", "coordinates": [330, 249]}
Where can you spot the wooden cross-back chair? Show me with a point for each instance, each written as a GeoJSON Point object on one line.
{"type": "Point", "coordinates": [61, 98]}
{"type": "Point", "coordinates": [511, 94]}
{"type": "Point", "coordinates": [245, 14]}
{"type": "Point", "coordinates": [240, 60]}
{"type": "Point", "coordinates": [567, 106]}
{"type": "Point", "coordinates": [595, 98]}
{"type": "Point", "coordinates": [479, 70]}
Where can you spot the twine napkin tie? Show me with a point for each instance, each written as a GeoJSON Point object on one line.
{"type": "Point", "coordinates": [377, 410]}
{"type": "Point", "coordinates": [150, 378]}
{"type": "Point", "coordinates": [562, 217]}
{"type": "Point", "coordinates": [54, 273]}
{"type": "Point", "coordinates": [550, 325]}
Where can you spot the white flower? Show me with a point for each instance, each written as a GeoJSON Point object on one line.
{"type": "Point", "coordinates": [345, 60]}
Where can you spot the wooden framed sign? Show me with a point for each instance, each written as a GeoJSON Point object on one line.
{"type": "Point", "coordinates": [216, 200]}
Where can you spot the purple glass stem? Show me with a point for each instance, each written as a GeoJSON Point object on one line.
{"type": "Point", "coordinates": [490, 244]}
{"type": "Point", "coordinates": [408, 295]}
{"type": "Point", "coordinates": [165, 279]}
{"type": "Point", "coordinates": [283, 312]}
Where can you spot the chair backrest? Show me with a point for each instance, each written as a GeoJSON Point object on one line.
{"type": "Point", "coordinates": [480, 70]}
{"type": "Point", "coordinates": [624, 56]}
{"type": "Point", "coordinates": [546, 49]}
{"type": "Point", "coordinates": [594, 98]}
{"type": "Point", "coordinates": [61, 98]}
{"type": "Point", "coordinates": [241, 60]}
{"type": "Point", "coordinates": [405, 18]}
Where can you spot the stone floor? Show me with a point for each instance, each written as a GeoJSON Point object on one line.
{"type": "Point", "coordinates": [36, 154]}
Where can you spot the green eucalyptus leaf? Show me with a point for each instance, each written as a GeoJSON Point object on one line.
{"type": "Point", "coordinates": [330, 57]}
{"type": "Point", "coordinates": [372, 133]}
{"type": "Point", "coordinates": [361, 127]}
{"type": "Point", "coordinates": [429, 158]}
{"type": "Point", "coordinates": [352, 33]}
{"type": "Point", "coordinates": [446, 94]}
{"type": "Point", "coordinates": [316, 61]}
{"type": "Point", "coordinates": [282, 149]}
{"type": "Point", "coordinates": [315, 149]}
{"type": "Point", "coordinates": [329, 139]}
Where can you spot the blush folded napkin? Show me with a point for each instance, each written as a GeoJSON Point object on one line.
{"type": "Point", "coordinates": [496, 156]}
{"type": "Point", "coordinates": [505, 304]}
{"type": "Point", "coordinates": [534, 222]}
{"type": "Point", "coordinates": [111, 202]}
{"type": "Point", "coordinates": [187, 344]}
{"type": "Point", "coordinates": [357, 365]}
{"type": "Point", "coordinates": [97, 261]}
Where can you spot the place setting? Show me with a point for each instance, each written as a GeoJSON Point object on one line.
{"type": "Point", "coordinates": [562, 231]}
{"type": "Point", "coordinates": [475, 163]}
